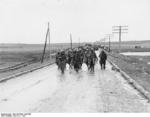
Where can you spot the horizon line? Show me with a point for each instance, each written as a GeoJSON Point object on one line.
{"type": "Point", "coordinates": [78, 42]}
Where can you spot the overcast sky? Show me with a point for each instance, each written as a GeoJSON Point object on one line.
{"type": "Point", "coordinates": [25, 21]}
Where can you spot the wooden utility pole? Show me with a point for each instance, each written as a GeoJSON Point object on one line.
{"type": "Point", "coordinates": [109, 36]}
{"type": "Point", "coordinates": [120, 30]}
{"type": "Point", "coordinates": [49, 41]}
{"type": "Point", "coordinates": [104, 42]}
{"type": "Point", "coordinates": [79, 42]}
{"type": "Point", "coordinates": [70, 41]}
{"type": "Point", "coordinates": [47, 33]}
{"type": "Point", "coordinates": [109, 43]}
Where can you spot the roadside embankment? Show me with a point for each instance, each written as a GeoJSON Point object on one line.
{"type": "Point", "coordinates": [26, 69]}
{"type": "Point", "coordinates": [136, 72]}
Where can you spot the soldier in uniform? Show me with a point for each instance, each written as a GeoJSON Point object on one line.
{"type": "Point", "coordinates": [103, 58]}
{"type": "Point", "coordinates": [76, 60]}
{"type": "Point", "coordinates": [92, 59]}
{"type": "Point", "coordinates": [57, 59]}
{"type": "Point", "coordinates": [61, 60]}
{"type": "Point", "coordinates": [70, 58]}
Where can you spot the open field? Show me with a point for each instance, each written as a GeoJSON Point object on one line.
{"type": "Point", "coordinates": [12, 54]}
{"type": "Point", "coordinates": [136, 67]}
{"type": "Point", "coordinates": [16, 58]}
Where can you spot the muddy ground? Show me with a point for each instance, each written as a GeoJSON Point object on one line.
{"type": "Point", "coordinates": [136, 67]}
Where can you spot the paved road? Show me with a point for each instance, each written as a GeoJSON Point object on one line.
{"type": "Point", "coordinates": [46, 90]}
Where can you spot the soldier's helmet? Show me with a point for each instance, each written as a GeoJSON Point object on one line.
{"type": "Point", "coordinates": [62, 51]}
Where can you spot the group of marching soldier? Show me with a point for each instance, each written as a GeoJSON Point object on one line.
{"type": "Point", "coordinates": [77, 56]}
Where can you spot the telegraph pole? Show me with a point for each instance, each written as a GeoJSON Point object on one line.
{"type": "Point", "coordinates": [104, 42]}
{"type": "Point", "coordinates": [79, 42]}
{"type": "Point", "coordinates": [47, 33]}
{"type": "Point", "coordinates": [109, 43]}
{"type": "Point", "coordinates": [120, 30]}
{"type": "Point", "coordinates": [109, 36]}
{"type": "Point", "coordinates": [70, 40]}
{"type": "Point", "coordinates": [49, 41]}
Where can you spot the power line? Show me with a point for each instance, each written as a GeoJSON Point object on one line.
{"type": "Point", "coordinates": [120, 30]}
{"type": "Point", "coordinates": [109, 37]}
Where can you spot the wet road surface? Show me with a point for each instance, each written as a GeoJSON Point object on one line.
{"type": "Point", "coordinates": [47, 90]}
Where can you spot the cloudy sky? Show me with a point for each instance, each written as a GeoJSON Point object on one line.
{"type": "Point", "coordinates": [25, 21]}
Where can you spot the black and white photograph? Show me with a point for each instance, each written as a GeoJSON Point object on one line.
{"type": "Point", "coordinates": [74, 56]}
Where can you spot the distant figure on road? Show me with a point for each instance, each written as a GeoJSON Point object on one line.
{"type": "Point", "coordinates": [103, 58]}
{"type": "Point", "coordinates": [57, 58]}
{"type": "Point", "coordinates": [61, 61]}
{"type": "Point", "coordinates": [70, 58]}
{"type": "Point", "coordinates": [77, 62]}
{"type": "Point", "coordinates": [92, 60]}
